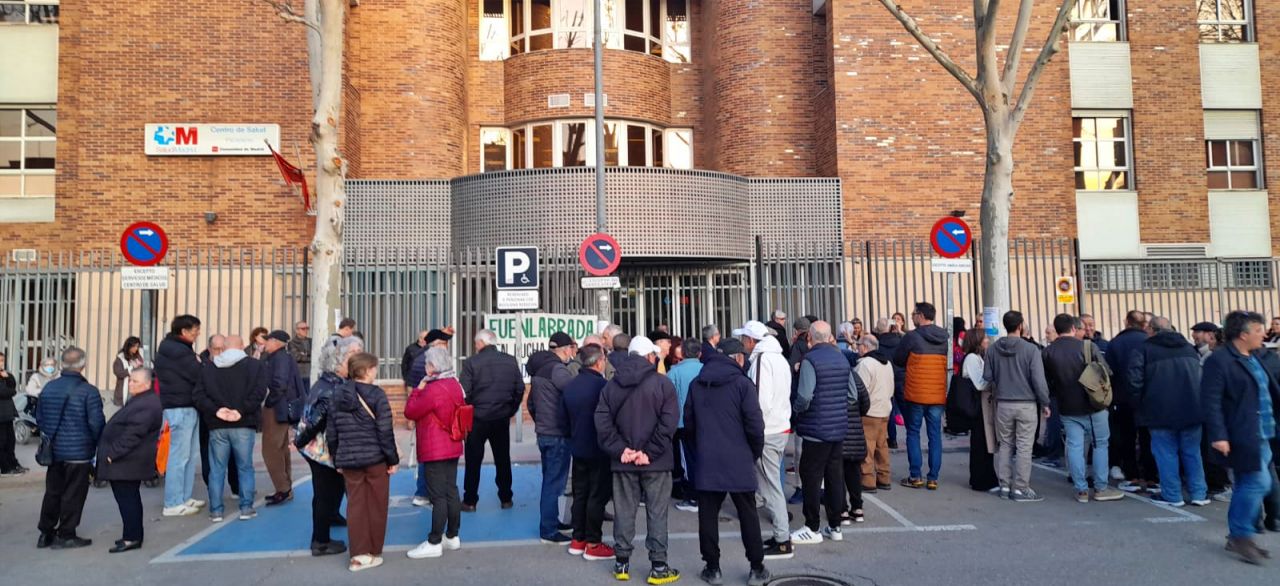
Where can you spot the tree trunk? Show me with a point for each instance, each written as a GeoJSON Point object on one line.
{"type": "Point", "coordinates": [331, 171]}
{"type": "Point", "coordinates": [997, 197]}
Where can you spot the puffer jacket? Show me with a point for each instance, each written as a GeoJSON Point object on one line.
{"type": "Point", "coordinates": [492, 383]}
{"type": "Point", "coordinates": [772, 376]}
{"type": "Point", "coordinates": [722, 417]}
{"type": "Point", "coordinates": [638, 410]}
{"type": "Point", "coordinates": [356, 439]}
{"type": "Point", "coordinates": [178, 373]}
{"type": "Point", "coordinates": [923, 353]}
{"type": "Point", "coordinates": [1164, 374]}
{"type": "Point", "coordinates": [75, 430]}
{"type": "Point", "coordinates": [432, 408]}
{"type": "Point", "coordinates": [315, 414]}
{"type": "Point", "coordinates": [128, 447]}
{"type": "Point", "coordinates": [859, 402]}
{"type": "Point", "coordinates": [548, 378]}
{"type": "Point", "coordinates": [825, 418]}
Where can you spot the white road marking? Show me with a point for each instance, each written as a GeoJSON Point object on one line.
{"type": "Point", "coordinates": [892, 512]}
{"type": "Point", "coordinates": [1183, 516]}
{"type": "Point", "coordinates": [172, 554]}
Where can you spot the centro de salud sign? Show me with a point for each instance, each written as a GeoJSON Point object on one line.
{"type": "Point", "coordinates": [216, 140]}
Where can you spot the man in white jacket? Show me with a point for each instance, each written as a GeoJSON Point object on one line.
{"type": "Point", "coordinates": [876, 372]}
{"type": "Point", "coordinates": [772, 374]}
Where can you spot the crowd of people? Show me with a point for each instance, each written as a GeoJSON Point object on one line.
{"type": "Point", "coordinates": [654, 422]}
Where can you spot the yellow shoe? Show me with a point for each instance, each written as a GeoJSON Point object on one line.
{"type": "Point", "coordinates": [663, 574]}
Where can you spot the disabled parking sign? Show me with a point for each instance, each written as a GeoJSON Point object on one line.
{"type": "Point", "coordinates": [144, 244]}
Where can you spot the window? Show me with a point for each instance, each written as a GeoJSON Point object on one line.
{"type": "Point", "coordinates": [28, 12]}
{"type": "Point", "coordinates": [1233, 150]}
{"type": "Point", "coordinates": [1098, 20]}
{"type": "Point", "coordinates": [656, 27]}
{"type": "Point", "coordinates": [571, 143]}
{"type": "Point", "coordinates": [1102, 153]}
{"type": "Point", "coordinates": [1226, 21]}
{"type": "Point", "coordinates": [28, 149]}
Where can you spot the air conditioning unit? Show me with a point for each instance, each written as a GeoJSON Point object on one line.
{"type": "Point", "coordinates": [1175, 251]}
{"type": "Point", "coordinates": [558, 101]}
{"type": "Point", "coordinates": [24, 255]}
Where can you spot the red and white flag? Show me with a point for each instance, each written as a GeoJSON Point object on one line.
{"type": "Point", "coordinates": [292, 175]}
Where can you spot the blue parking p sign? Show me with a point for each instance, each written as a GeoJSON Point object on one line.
{"type": "Point", "coordinates": [518, 267]}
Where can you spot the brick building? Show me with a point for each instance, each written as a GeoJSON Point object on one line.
{"type": "Point", "coordinates": [1150, 134]}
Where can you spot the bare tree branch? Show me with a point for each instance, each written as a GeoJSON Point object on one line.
{"type": "Point", "coordinates": [985, 32]}
{"type": "Point", "coordinates": [1010, 75]}
{"type": "Point", "coordinates": [285, 10]}
{"type": "Point", "coordinates": [938, 53]}
{"type": "Point", "coordinates": [1051, 47]}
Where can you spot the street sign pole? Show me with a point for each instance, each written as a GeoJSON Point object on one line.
{"type": "Point", "coordinates": [951, 334]}
{"type": "Point", "coordinates": [604, 298]}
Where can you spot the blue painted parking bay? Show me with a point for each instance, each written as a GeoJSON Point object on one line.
{"type": "Point", "coordinates": [286, 529]}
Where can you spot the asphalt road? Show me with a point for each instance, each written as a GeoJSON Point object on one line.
{"type": "Point", "coordinates": [951, 536]}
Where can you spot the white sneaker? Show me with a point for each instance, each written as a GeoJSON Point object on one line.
{"type": "Point", "coordinates": [427, 550]}
{"type": "Point", "coordinates": [179, 511]}
{"type": "Point", "coordinates": [1117, 473]}
{"type": "Point", "coordinates": [1224, 496]}
{"type": "Point", "coordinates": [453, 543]}
{"type": "Point", "coordinates": [805, 536]}
{"type": "Point", "coordinates": [195, 504]}
{"type": "Point", "coordinates": [1201, 502]}
{"type": "Point", "coordinates": [421, 501]}
{"type": "Point", "coordinates": [832, 533]}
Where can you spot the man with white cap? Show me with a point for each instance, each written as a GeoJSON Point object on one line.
{"type": "Point", "coordinates": [772, 375]}
{"type": "Point", "coordinates": [635, 421]}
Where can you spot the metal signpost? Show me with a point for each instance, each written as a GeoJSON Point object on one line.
{"type": "Point", "coordinates": [604, 312]}
{"type": "Point", "coordinates": [144, 245]}
{"type": "Point", "coordinates": [951, 239]}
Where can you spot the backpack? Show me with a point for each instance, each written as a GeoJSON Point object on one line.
{"type": "Point", "coordinates": [460, 424]}
{"type": "Point", "coordinates": [1096, 379]}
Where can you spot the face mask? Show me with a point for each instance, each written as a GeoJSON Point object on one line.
{"type": "Point", "coordinates": [48, 369]}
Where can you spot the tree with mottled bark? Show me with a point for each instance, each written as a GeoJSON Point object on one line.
{"type": "Point", "coordinates": [1004, 105]}
{"type": "Point", "coordinates": [324, 20]}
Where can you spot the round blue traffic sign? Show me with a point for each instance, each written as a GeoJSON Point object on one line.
{"type": "Point", "coordinates": [951, 237]}
{"type": "Point", "coordinates": [144, 244]}
{"type": "Point", "coordinates": [600, 255]}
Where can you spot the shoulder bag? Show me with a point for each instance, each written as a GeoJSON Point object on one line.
{"type": "Point", "coordinates": [1096, 379]}
{"type": "Point", "coordinates": [44, 454]}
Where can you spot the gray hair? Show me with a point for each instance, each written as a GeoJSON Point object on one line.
{"type": "Point", "coordinates": [710, 331]}
{"type": "Point", "coordinates": [882, 326]}
{"type": "Point", "coordinates": [145, 374]}
{"type": "Point", "coordinates": [593, 339]}
{"type": "Point", "coordinates": [820, 332]}
{"type": "Point", "coordinates": [1161, 324]}
{"type": "Point", "coordinates": [439, 360]}
{"type": "Point", "coordinates": [621, 342]}
{"type": "Point", "coordinates": [611, 331]}
{"type": "Point", "coordinates": [845, 329]}
{"type": "Point", "coordinates": [871, 342]}
{"type": "Point", "coordinates": [335, 350]}
{"type": "Point", "coordinates": [487, 337]}
{"type": "Point", "coordinates": [590, 355]}
{"type": "Point", "coordinates": [779, 314]}
{"type": "Point", "coordinates": [74, 358]}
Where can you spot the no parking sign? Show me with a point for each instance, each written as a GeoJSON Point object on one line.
{"type": "Point", "coordinates": [144, 244]}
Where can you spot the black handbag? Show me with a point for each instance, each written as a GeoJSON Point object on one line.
{"type": "Point", "coordinates": [44, 453]}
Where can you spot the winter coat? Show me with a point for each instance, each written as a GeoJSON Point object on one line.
{"type": "Point", "coordinates": [411, 363]}
{"type": "Point", "coordinates": [127, 450]}
{"type": "Point", "coordinates": [772, 376]}
{"type": "Point", "coordinates": [799, 348]}
{"type": "Point", "coordinates": [824, 415]}
{"type": "Point", "coordinates": [780, 333]}
{"type": "Point", "coordinates": [1229, 397]}
{"type": "Point", "coordinates": [178, 372]}
{"type": "Point", "coordinates": [318, 407]}
{"type": "Point", "coordinates": [578, 404]}
{"type": "Point", "coordinates": [723, 419]}
{"type": "Point", "coordinates": [440, 397]}
{"type": "Point", "coordinates": [285, 389]}
{"type": "Point", "coordinates": [75, 430]}
{"type": "Point", "coordinates": [1014, 370]}
{"type": "Point", "coordinates": [356, 439]}
{"type": "Point", "coordinates": [923, 353]}
{"type": "Point", "coordinates": [1164, 374]}
{"type": "Point", "coordinates": [1063, 364]}
{"type": "Point", "coordinates": [234, 381]}
{"type": "Point", "coordinates": [858, 401]}
{"type": "Point", "coordinates": [877, 374]}
{"type": "Point", "coordinates": [300, 349]}
{"type": "Point", "coordinates": [8, 390]}
{"type": "Point", "coordinates": [492, 383]}
{"type": "Point", "coordinates": [1101, 342]}
{"type": "Point", "coordinates": [637, 410]}
{"type": "Point", "coordinates": [1118, 353]}
{"type": "Point", "coordinates": [889, 343]}
{"type": "Point", "coordinates": [682, 376]}
{"type": "Point", "coordinates": [548, 378]}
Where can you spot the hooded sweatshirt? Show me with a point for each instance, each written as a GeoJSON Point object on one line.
{"type": "Point", "coordinates": [772, 376]}
{"type": "Point", "coordinates": [548, 376]}
{"type": "Point", "coordinates": [637, 410]}
{"type": "Point", "coordinates": [1015, 372]}
{"type": "Point", "coordinates": [232, 380]}
{"type": "Point", "coordinates": [877, 375]}
{"type": "Point", "coordinates": [923, 354]}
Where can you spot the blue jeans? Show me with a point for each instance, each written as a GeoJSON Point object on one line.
{"type": "Point", "coordinates": [932, 416]}
{"type": "Point", "coordinates": [1171, 447]}
{"type": "Point", "coordinates": [555, 472]}
{"type": "Point", "coordinates": [223, 443]}
{"type": "Point", "coordinates": [1246, 498]}
{"type": "Point", "coordinates": [1053, 433]}
{"type": "Point", "coordinates": [1096, 428]}
{"type": "Point", "coordinates": [180, 474]}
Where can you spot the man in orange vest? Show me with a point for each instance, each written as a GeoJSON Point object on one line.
{"type": "Point", "coordinates": [923, 353]}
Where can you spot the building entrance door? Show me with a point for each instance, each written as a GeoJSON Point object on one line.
{"type": "Point", "coordinates": [685, 299]}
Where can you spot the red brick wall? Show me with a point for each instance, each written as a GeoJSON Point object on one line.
{"type": "Point", "coordinates": [1267, 17]}
{"type": "Point", "coordinates": [637, 85]}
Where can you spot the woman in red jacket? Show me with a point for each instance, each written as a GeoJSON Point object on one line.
{"type": "Point", "coordinates": [431, 408]}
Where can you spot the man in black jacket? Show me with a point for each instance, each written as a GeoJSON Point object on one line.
{"type": "Point", "coordinates": [493, 385]}
{"type": "Point", "coordinates": [411, 354]}
{"type": "Point", "coordinates": [635, 421]}
{"type": "Point", "coordinates": [285, 392]}
{"type": "Point", "coordinates": [69, 412]}
{"type": "Point", "coordinates": [9, 465]}
{"type": "Point", "coordinates": [178, 372]}
{"type": "Point", "coordinates": [1239, 400]}
{"type": "Point", "coordinates": [1164, 374]}
{"type": "Point", "coordinates": [230, 403]}
{"type": "Point", "coordinates": [549, 374]}
{"type": "Point", "coordinates": [1130, 447]}
{"type": "Point", "coordinates": [592, 477]}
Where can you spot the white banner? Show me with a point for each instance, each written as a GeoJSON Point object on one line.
{"type": "Point", "coordinates": [217, 140]}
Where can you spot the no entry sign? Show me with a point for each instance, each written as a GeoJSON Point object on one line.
{"type": "Point", "coordinates": [144, 244]}
{"type": "Point", "coordinates": [951, 237]}
{"type": "Point", "coordinates": [600, 255]}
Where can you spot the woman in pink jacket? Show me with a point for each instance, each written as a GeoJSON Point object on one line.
{"type": "Point", "coordinates": [431, 408]}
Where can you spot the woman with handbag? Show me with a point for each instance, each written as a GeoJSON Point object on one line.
{"type": "Point", "coordinates": [127, 454]}
{"type": "Point", "coordinates": [982, 442]}
{"type": "Point", "coordinates": [328, 486]}
{"type": "Point", "coordinates": [363, 441]}
{"type": "Point", "coordinates": [432, 407]}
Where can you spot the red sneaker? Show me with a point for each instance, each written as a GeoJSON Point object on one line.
{"type": "Point", "coordinates": [598, 552]}
{"type": "Point", "coordinates": [577, 547]}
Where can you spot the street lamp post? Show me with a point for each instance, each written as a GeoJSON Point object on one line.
{"type": "Point", "coordinates": [603, 297]}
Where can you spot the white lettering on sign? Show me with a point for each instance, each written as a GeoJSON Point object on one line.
{"type": "Point", "coordinates": [217, 140]}
{"type": "Point", "coordinates": [144, 278]}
